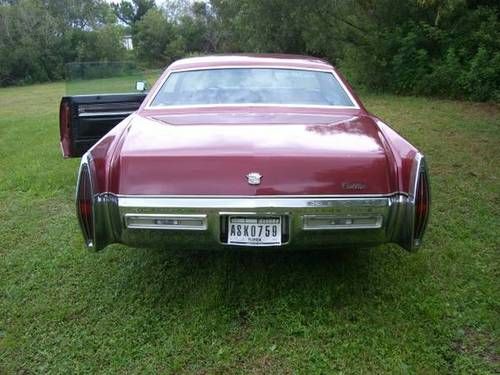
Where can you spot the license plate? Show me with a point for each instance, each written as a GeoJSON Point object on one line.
{"type": "Point", "coordinates": [254, 231]}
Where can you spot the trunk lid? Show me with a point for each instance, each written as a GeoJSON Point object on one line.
{"type": "Point", "coordinates": [212, 153]}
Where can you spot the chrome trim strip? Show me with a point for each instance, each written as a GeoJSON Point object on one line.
{"type": "Point", "coordinates": [308, 196]}
{"type": "Point", "coordinates": [96, 114]}
{"type": "Point", "coordinates": [109, 94]}
{"type": "Point", "coordinates": [201, 217]}
{"type": "Point", "coordinates": [154, 93]}
{"type": "Point", "coordinates": [244, 202]}
{"type": "Point", "coordinates": [376, 225]}
{"type": "Point", "coordinates": [252, 213]}
{"type": "Point", "coordinates": [325, 68]}
{"type": "Point", "coordinates": [252, 105]}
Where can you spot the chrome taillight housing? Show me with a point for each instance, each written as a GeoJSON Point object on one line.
{"type": "Point", "coordinates": [421, 200]}
{"type": "Point", "coordinates": [422, 203]}
{"type": "Point", "coordinates": [84, 204]}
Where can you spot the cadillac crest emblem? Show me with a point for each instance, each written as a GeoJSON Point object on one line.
{"type": "Point", "coordinates": [254, 178]}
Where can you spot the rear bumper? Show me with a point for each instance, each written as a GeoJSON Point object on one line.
{"type": "Point", "coordinates": [198, 222]}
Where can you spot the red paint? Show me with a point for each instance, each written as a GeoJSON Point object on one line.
{"type": "Point", "coordinates": [209, 151]}
{"type": "Point", "coordinates": [65, 129]}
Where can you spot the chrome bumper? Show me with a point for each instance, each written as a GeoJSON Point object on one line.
{"type": "Point", "coordinates": [199, 222]}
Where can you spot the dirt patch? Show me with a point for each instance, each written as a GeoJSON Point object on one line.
{"type": "Point", "coordinates": [480, 344]}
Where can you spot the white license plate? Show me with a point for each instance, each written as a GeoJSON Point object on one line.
{"type": "Point", "coordinates": [254, 231]}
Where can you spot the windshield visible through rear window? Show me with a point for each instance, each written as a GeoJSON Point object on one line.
{"type": "Point", "coordinates": [252, 86]}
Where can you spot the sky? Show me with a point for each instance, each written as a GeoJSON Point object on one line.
{"type": "Point", "coordinates": [158, 2]}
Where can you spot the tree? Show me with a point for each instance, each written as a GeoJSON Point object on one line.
{"type": "Point", "coordinates": [154, 35]}
{"type": "Point", "coordinates": [27, 43]}
{"type": "Point", "coordinates": [197, 28]}
{"type": "Point", "coordinates": [103, 45]}
{"type": "Point", "coordinates": [432, 47]}
{"type": "Point", "coordinates": [37, 37]}
{"type": "Point", "coordinates": [82, 15]}
{"type": "Point", "coordinates": [131, 11]}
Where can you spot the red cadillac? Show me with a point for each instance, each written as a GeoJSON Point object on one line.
{"type": "Point", "coordinates": [252, 151]}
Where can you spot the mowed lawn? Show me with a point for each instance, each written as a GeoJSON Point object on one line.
{"type": "Point", "coordinates": [124, 310]}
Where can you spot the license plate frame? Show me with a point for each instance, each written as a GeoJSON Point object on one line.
{"type": "Point", "coordinates": [254, 230]}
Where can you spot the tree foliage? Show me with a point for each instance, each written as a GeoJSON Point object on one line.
{"type": "Point", "coordinates": [448, 48]}
{"type": "Point", "coordinates": [38, 37]}
{"type": "Point", "coordinates": [131, 12]}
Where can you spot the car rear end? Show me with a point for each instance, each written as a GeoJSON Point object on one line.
{"type": "Point", "coordinates": [232, 152]}
{"type": "Point", "coordinates": [302, 222]}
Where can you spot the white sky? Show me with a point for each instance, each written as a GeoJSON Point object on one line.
{"type": "Point", "coordinates": [158, 2]}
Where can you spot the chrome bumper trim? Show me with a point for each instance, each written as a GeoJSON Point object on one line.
{"type": "Point", "coordinates": [113, 213]}
{"type": "Point", "coordinates": [166, 221]}
{"type": "Point", "coordinates": [246, 202]}
{"type": "Point", "coordinates": [341, 222]}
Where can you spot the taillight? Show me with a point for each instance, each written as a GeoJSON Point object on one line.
{"type": "Point", "coordinates": [84, 205]}
{"type": "Point", "coordinates": [422, 202]}
{"type": "Point", "coordinates": [65, 128]}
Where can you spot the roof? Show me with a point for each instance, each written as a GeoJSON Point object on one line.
{"type": "Point", "coordinates": [297, 61]}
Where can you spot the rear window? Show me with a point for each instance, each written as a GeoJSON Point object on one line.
{"type": "Point", "coordinates": [252, 86]}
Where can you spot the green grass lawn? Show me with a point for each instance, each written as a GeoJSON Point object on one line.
{"type": "Point", "coordinates": [120, 84]}
{"type": "Point", "coordinates": [124, 310]}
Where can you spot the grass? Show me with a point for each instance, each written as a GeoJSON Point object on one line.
{"type": "Point", "coordinates": [120, 84]}
{"type": "Point", "coordinates": [124, 310]}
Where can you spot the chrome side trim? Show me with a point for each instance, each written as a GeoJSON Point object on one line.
{"type": "Point", "coordinates": [103, 114]}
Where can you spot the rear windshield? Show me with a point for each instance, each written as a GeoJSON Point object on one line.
{"type": "Point", "coordinates": [252, 86]}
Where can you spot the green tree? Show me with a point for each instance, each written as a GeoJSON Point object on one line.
{"type": "Point", "coordinates": [197, 28]}
{"type": "Point", "coordinates": [155, 35]}
{"type": "Point", "coordinates": [27, 43]}
{"type": "Point", "coordinates": [37, 37]}
{"type": "Point", "coordinates": [103, 44]}
{"type": "Point", "coordinates": [131, 11]}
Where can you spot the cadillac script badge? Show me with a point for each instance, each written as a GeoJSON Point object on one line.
{"type": "Point", "coordinates": [254, 178]}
